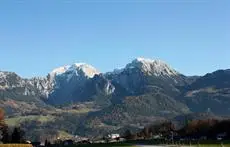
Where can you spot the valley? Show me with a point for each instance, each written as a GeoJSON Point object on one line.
{"type": "Point", "coordinates": [79, 100]}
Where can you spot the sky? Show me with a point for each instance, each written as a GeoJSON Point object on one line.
{"type": "Point", "coordinates": [192, 36]}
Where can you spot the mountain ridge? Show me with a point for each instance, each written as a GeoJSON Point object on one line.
{"type": "Point", "coordinates": [95, 103]}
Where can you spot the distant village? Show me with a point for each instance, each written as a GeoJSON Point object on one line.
{"type": "Point", "coordinates": [164, 133]}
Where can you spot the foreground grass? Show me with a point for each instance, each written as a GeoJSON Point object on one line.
{"type": "Point", "coordinates": [105, 145]}
{"type": "Point", "coordinates": [215, 145]}
{"type": "Point", "coordinates": [111, 145]}
{"type": "Point", "coordinates": [15, 145]}
{"type": "Point", "coordinates": [195, 143]}
{"type": "Point", "coordinates": [205, 145]}
{"type": "Point", "coordinates": [102, 145]}
{"type": "Point", "coordinates": [141, 143]}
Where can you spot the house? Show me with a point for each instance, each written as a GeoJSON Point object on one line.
{"type": "Point", "coordinates": [122, 139]}
{"type": "Point", "coordinates": [159, 136]}
{"type": "Point", "coordinates": [28, 142]}
{"type": "Point", "coordinates": [221, 136]}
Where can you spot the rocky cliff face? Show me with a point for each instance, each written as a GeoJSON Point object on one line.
{"type": "Point", "coordinates": [83, 99]}
{"type": "Point", "coordinates": [81, 82]}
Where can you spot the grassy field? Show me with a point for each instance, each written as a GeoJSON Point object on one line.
{"type": "Point", "coordinates": [214, 145]}
{"type": "Point", "coordinates": [106, 145]}
{"type": "Point", "coordinates": [120, 145]}
{"type": "Point", "coordinates": [63, 134]}
{"type": "Point", "coordinates": [205, 145]}
{"type": "Point", "coordinates": [129, 145]}
{"type": "Point", "coordinates": [177, 144]}
{"type": "Point", "coordinates": [201, 145]}
{"type": "Point", "coordinates": [102, 145]}
{"type": "Point", "coordinates": [209, 143]}
{"type": "Point", "coordinates": [194, 143]}
{"type": "Point", "coordinates": [17, 120]}
{"type": "Point", "coordinates": [15, 145]}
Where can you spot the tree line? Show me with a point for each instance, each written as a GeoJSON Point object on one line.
{"type": "Point", "coordinates": [8, 136]}
{"type": "Point", "coordinates": [162, 129]}
{"type": "Point", "coordinates": [194, 129]}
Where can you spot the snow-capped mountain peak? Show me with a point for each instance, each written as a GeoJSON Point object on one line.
{"type": "Point", "coordinates": [88, 70]}
{"type": "Point", "coordinates": [146, 60]}
{"type": "Point", "coordinates": [60, 70]}
{"type": "Point", "coordinates": [152, 67]}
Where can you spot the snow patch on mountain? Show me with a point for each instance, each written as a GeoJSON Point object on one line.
{"type": "Point", "coordinates": [152, 67]}
{"type": "Point", "coordinates": [77, 68]}
{"type": "Point", "coordinates": [3, 81]}
{"type": "Point", "coordinates": [148, 66]}
{"type": "Point", "coordinates": [109, 88]}
{"type": "Point", "coordinates": [60, 70]}
{"type": "Point", "coordinates": [72, 79]}
{"type": "Point", "coordinates": [44, 85]}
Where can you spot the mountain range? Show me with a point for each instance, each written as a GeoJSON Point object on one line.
{"type": "Point", "coordinates": [77, 99]}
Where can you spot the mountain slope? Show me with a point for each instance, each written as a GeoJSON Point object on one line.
{"type": "Point", "coordinates": [83, 101]}
{"type": "Point", "coordinates": [209, 93]}
{"type": "Point", "coordinates": [20, 96]}
{"type": "Point", "coordinates": [141, 75]}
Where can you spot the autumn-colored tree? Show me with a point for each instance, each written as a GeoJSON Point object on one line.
{"type": "Point", "coordinates": [163, 128]}
{"type": "Point", "coordinates": [1, 117]}
{"type": "Point", "coordinates": [4, 132]}
{"type": "Point", "coordinates": [2, 125]}
{"type": "Point", "coordinates": [198, 128]}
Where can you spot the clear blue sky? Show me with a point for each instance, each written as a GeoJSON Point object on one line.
{"type": "Point", "coordinates": [192, 36]}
